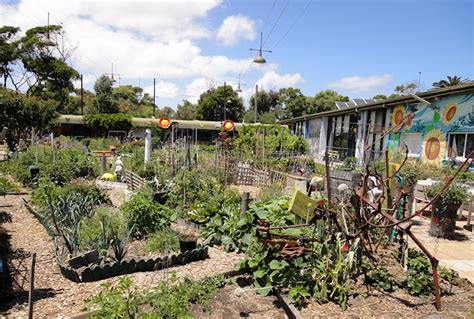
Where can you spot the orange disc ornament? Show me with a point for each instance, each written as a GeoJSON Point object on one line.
{"type": "Point", "coordinates": [164, 122]}
{"type": "Point", "coordinates": [228, 125]}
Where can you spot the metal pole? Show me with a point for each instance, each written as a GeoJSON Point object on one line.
{"type": "Point", "coordinates": [225, 100]}
{"type": "Point", "coordinates": [154, 96]}
{"type": "Point", "coordinates": [32, 286]}
{"type": "Point", "coordinates": [255, 100]}
{"type": "Point", "coordinates": [82, 96]}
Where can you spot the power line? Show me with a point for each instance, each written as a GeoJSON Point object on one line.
{"type": "Point", "coordinates": [276, 22]}
{"type": "Point", "coordinates": [305, 9]}
{"type": "Point", "coordinates": [268, 15]}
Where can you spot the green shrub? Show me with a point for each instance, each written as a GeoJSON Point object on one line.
{"type": "Point", "coordinates": [7, 186]}
{"type": "Point", "coordinates": [60, 166]}
{"type": "Point", "coordinates": [162, 241]}
{"type": "Point", "coordinates": [411, 173]}
{"type": "Point", "coordinates": [454, 194]}
{"type": "Point", "coordinates": [145, 215]}
{"type": "Point", "coordinates": [47, 189]}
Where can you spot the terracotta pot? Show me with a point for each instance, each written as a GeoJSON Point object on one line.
{"type": "Point", "coordinates": [443, 220]}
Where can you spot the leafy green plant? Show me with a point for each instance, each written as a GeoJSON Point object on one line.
{"type": "Point", "coordinates": [120, 301]}
{"type": "Point", "coordinates": [161, 240]}
{"type": "Point", "coordinates": [454, 194]}
{"type": "Point", "coordinates": [95, 230]}
{"type": "Point", "coordinates": [411, 173]}
{"type": "Point", "coordinates": [451, 277]}
{"type": "Point", "coordinates": [350, 163]}
{"type": "Point", "coordinates": [145, 215]}
{"type": "Point", "coordinates": [7, 186]}
{"type": "Point", "coordinates": [171, 299]}
{"type": "Point", "coordinates": [382, 279]}
{"type": "Point", "coordinates": [419, 280]}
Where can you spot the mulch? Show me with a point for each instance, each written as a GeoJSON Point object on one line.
{"type": "Point", "coordinates": [56, 296]}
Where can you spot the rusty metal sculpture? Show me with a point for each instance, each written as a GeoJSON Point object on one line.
{"type": "Point", "coordinates": [365, 212]}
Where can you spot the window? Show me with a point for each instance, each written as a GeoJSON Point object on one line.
{"type": "Point", "coordinates": [413, 141]}
{"type": "Point", "coordinates": [460, 144]}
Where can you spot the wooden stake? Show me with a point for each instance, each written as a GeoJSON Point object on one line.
{"type": "Point", "coordinates": [32, 286]}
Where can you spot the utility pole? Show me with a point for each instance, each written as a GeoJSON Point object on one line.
{"type": "Point", "coordinates": [154, 97]}
{"type": "Point", "coordinates": [82, 96]}
{"type": "Point", "coordinates": [256, 96]}
{"type": "Point", "coordinates": [225, 100]}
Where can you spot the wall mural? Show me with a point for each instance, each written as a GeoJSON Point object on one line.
{"type": "Point", "coordinates": [452, 114]}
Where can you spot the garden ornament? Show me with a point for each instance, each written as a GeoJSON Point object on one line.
{"type": "Point", "coordinates": [118, 168]}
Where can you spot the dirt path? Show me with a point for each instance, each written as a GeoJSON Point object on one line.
{"type": "Point", "coordinates": [56, 296]}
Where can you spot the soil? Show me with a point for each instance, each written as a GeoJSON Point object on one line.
{"type": "Point", "coordinates": [227, 304]}
{"type": "Point", "coordinates": [54, 295]}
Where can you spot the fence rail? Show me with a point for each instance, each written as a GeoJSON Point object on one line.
{"type": "Point", "coordinates": [133, 180]}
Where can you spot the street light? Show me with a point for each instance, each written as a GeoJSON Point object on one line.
{"type": "Point", "coordinates": [46, 40]}
{"type": "Point", "coordinates": [259, 58]}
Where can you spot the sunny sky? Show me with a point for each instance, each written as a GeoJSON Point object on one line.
{"type": "Point", "coordinates": [358, 48]}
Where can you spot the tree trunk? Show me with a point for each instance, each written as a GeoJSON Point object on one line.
{"type": "Point", "coordinates": [443, 220]}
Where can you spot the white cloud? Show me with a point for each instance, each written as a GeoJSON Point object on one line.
{"type": "Point", "coordinates": [274, 81]}
{"type": "Point", "coordinates": [360, 83]}
{"type": "Point", "coordinates": [236, 27]}
{"type": "Point", "coordinates": [163, 89]}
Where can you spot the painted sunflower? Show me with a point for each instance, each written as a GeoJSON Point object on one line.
{"type": "Point", "coordinates": [398, 114]}
{"type": "Point", "coordinates": [449, 113]}
{"type": "Point", "coordinates": [434, 147]}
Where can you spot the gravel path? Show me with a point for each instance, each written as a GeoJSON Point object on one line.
{"type": "Point", "coordinates": [56, 296]}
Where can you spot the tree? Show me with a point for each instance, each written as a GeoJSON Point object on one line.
{"type": "Point", "coordinates": [380, 97]}
{"type": "Point", "coordinates": [215, 103]}
{"type": "Point", "coordinates": [186, 111]}
{"type": "Point", "coordinates": [292, 103]}
{"type": "Point", "coordinates": [48, 76]}
{"type": "Point", "coordinates": [165, 111]}
{"type": "Point", "coordinates": [452, 81]}
{"type": "Point", "coordinates": [19, 114]}
{"type": "Point", "coordinates": [326, 101]}
{"type": "Point", "coordinates": [104, 102]}
{"type": "Point", "coordinates": [9, 51]}
{"type": "Point", "coordinates": [405, 89]}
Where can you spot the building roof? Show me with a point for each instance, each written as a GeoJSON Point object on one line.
{"type": "Point", "coordinates": [354, 102]}
{"type": "Point", "coordinates": [427, 95]}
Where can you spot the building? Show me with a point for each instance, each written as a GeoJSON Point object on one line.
{"type": "Point", "coordinates": [440, 130]}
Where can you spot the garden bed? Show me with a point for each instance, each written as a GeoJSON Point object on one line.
{"type": "Point", "coordinates": [57, 296]}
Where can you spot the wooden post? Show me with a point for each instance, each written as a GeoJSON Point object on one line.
{"type": "Point", "coordinates": [32, 286]}
{"type": "Point", "coordinates": [103, 164]}
{"type": "Point", "coordinates": [387, 175]}
{"type": "Point", "coordinates": [244, 205]}
{"type": "Point", "coordinates": [328, 177]}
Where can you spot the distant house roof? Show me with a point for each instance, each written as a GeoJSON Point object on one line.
{"type": "Point", "coordinates": [353, 103]}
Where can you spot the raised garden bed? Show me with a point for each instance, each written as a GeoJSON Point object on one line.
{"type": "Point", "coordinates": [95, 272]}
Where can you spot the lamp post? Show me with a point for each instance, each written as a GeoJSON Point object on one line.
{"type": "Point", "coordinates": [154, 96]}
{"type": "Point", "coordinates": [259, 58]}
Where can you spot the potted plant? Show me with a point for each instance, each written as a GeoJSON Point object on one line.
{"type": "Point", "coordinates": [187, 241]}
{"type": "Point", "coordinates": [443, 220]}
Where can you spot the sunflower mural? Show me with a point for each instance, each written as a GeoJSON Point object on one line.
{"type": "Point", "coordinates": [449, 113]}
{"type": "Point", "coordinates": [434, 147]}
{"type": "Point", "coordinates": [398, 115]}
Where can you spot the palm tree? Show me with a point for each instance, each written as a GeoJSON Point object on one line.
{"type": "Point", "coordinates": [452, 81]}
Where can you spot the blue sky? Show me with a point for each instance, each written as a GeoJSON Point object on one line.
{"type": "Point", "coordinates": [358, 48]}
